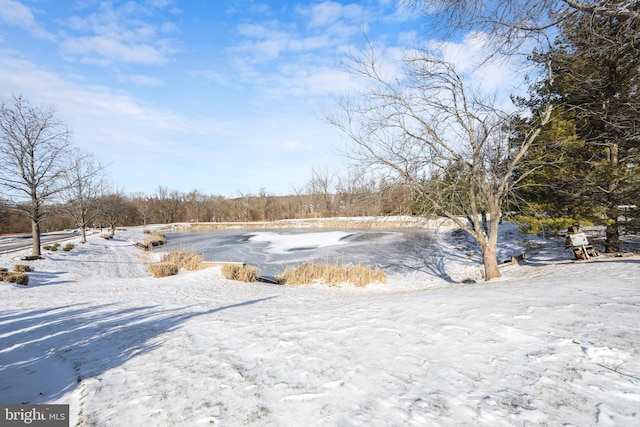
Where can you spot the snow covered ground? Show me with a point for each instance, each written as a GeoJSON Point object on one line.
{"type": "Point", "coordinates": [553, 342]}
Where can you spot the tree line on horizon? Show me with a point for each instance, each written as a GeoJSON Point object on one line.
{"type": "Point", "coordinates": [425, 141]}
{"type": "Point", "coordinates": [165, 206]}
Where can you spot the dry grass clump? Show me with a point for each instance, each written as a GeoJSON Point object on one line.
{"type": "Point", "coordinates": [21, 268]}
{"type": "Point", "coordinates": [155, 240]}
{"type": "Point", "coordinates": [188, 260]}
{"type": "Point", "coordinates": [239, 272]}
{"type": "Point", "coordinates": [163, 269]}
{"type": "Point", "coordinates": [54, 247]}
{"type": "Point", "coordinates": [359, 275]}
{"type": "Point", "coordinates": [19, 278]}
{"type": "Point", "coordinates": [68, 247]}
{"type": "Point", "coordinates": [172, 263]}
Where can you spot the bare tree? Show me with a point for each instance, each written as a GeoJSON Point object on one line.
{"type": "Point", "coordinates": [143, 205]}
{"type": "Point", "coordinates": [355, 193]}
{"type": "Point", "coordinates": [511, 23]}
{"type": "Point", "coordinates": [34, 145]}
{"type": "Point", "coordinates": [168, 204]}
{"type": "Point", "coordinates": [112, 208]}
{"type": "Point", "coordinates": [321, 191]}
{"type": "Point", "coordinates": [84, 183]}
{"type": "Point", "coordinates": [443, 139]}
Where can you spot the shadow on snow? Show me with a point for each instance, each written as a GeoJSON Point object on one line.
{"type": "Point", "coordinates": [45, 353]}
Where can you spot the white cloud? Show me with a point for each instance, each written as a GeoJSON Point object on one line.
{"type": "Point", "coordinates": [497, 75]}
{"type": "Point", "coordinates": [146, 146]}
{"type": "Point", "coordinates": [322, 15]}
{"type": "Point", "coordinates": [110, 49]}
{"type": "Point", "coordinates": [119, 34]}
{"type": "Point", "coordinates": [141, 80]}
{"type": "Point", "coordinates": [19, 15]}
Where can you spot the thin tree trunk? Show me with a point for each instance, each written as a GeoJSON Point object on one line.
{"type": "Point", "coordinates": [35, 233]}
{"type": "Point", "coordinates": [612, 231]}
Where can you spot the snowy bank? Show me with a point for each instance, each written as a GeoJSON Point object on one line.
{"type": "Point", "coordinates": [553, 342]}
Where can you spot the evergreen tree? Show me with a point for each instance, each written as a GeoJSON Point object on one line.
{"type": "Point", "coordinates": [592, 148]}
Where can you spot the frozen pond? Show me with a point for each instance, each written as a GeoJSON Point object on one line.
{"type": "Point", "coordinates": [272, 251]}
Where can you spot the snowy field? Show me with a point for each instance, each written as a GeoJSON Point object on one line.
{"type": "Point", "coordinates": [554, 342]}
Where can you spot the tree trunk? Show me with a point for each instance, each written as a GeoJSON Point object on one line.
{"type": "Point", "coordinates": [83, 234]}
{"type": "Point", "coordinates": [35, 233]}
{"type": "Point", "coordinates": [612, 232]}
{"type": "Point", "coordinates": [491, 270]}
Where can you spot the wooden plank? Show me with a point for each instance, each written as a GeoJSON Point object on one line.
{"type": "Point", "coordinates": [221, 263]}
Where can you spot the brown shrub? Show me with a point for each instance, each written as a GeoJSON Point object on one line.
{"type": "Point", "coordinates": [240, 272]}
{"type": "Point", "coordinates": [155, 240]}
{"type": "Point", "coordinates": [188, 260]}
{"type": "Point", "coordinates": [358, 275]}
{"type": "Point", "coordinates": [163, 269]}
{"type": "Point", "coordinates": [68, 247]}
{"type": "Point", "coordinates": [172, 263]}
{"type": "Point", "coordinates": [17, 278]}
{"type": "Point", "coordinates": [21, 268]}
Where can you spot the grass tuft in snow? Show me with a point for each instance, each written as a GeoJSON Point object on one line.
{"type": "Point", "coordinates": [188, 260]}
{"type": "Point", "coordinates": [155, 240]}
{"type": "Point", "coordinates": [172, 263]}
{"type": "Point", "coordinates": [359, 275]}
{"type": "Point", "coordinates": [21, 268]}
{"type": "Point", "coordinates": [241, 273]}
{"type": "Point", "coordinates": [163, 269]}
{"type": "Point", "coordinates": [18, 278]}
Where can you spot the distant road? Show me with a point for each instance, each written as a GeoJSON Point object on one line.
{"type": "Point", "coordinates": [13, 243]}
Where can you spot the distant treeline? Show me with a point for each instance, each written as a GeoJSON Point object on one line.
{"type": "Point", "coordinates": [324, 197]}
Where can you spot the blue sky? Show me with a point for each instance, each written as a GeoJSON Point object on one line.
{"type": "Point", "coordinates": [218, 96]}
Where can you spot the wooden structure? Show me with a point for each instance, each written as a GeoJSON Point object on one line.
{"type": "Point", "coordinates": [580, 246]}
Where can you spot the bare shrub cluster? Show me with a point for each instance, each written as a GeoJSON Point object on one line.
{"type": "Point", "coordinates": [240, 272]}
{"type": "Point", "coordinates": [53, 247]}
{"type": "Point", "coordinates": [21, 268]}
{"type": "Point", "coordinates": [187, 260]}
{"type": "Point", "coordinates": [163, 269]}
{"type": "Point", "coordinates": [332, 274]}
{"type": "Point", "coordinates": [172, 263]}
{"type": "Point", "coordinates": [155, 240]}
{"type": "Point", "coordinates": [19, 276]}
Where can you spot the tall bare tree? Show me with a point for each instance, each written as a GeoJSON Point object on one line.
{"type": "Point", "coordinates": [424, 126]}
{"type": "Point", "coordinates": [34, 148]}
{"type": "Point", "coordinates": [512, 23]}
{"type": "Point", "coordinates": [84, 184]}
{"type": "Point", "coordinates": [113, 208]}
{"type": "Point", "coordinates": [168, 204]}
{"type": "Point", "coordinates": [321, 191]}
